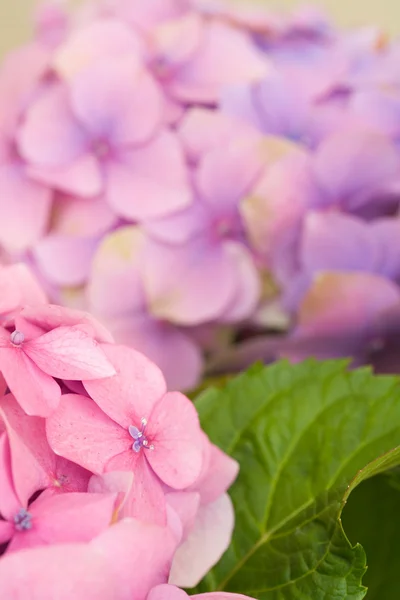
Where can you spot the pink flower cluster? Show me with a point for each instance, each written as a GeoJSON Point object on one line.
{"type": "Point", "coordinates": [109, 487]}
{"type": "Point", "coordinates": [194, 173]}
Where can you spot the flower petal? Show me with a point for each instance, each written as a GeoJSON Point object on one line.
{"type": "Point", "coordinates": [69, 353]}
{"type": "Point", "coordinates": [72, 517]}
{"type": "Point", "coordinates": [170, 348]}
{"type": "Point", "coordinates": [167, 592]}
{"type": "Point", "coordinates": [36, 392]}
{"type": "Point", "coordinates": [191, 283]}
{"type": "Point", "coordinates": [96, 41]}
{"type": "Point", "coordinates": [146, 499]}
{"type": "Point", "coordinates": [83, 217]}
{"type": "Point", "coordinates": [225, 56]}
{"type": "Point", "coordinates": [220, 472]}
{"type": "Point", "coordinates": [9, 501]}
{"type": "Point", "coordinates": [79, 431]}
{"type": "Point", "coordinates": [174, 429]}
{"type": "Point", "coordinates": [65, 260]}
{"type": "Point", "coordinates": [81, 176]}
{"type": "Point", "coordinates": [51, 316]}
{"type": "Point", "coordinates": [156, 172]}
{"type": "Point", "coordinates": [22, 196]}
{"type": "Point", "coordinates": [50, 135]}
{"type": "Point", "coordinates": [114, 271]}
{"type": "Point", "coordinates": [109, 96]}
{"type": "Point", "coordinates": [206, 543]}
{"type": "Point", "coordinates": [32, 459]}
{"type": "Point", "coordinates": [138, 385]}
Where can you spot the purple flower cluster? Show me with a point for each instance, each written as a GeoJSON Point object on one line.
{"type": "Point", "coordinates": [215, 182]}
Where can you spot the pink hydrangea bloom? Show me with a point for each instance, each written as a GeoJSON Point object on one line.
{"type": "Point", "coordinates": [151, 432]}
{"type": "Point", "coordinates": [115, 484]}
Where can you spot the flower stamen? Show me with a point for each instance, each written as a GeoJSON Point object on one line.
{"type": "Point", "coordinates": [139, 436]}
{"type": "Point", "coordinates": [23, 520]}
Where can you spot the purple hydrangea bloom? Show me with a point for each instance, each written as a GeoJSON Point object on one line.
{"type": "Point", "coordinates": [217, 182]}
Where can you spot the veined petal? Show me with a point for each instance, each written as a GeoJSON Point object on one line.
{"type": "Point", "coordinates": [131, 393]}
{"type": "Point", "coordinates": [81, 432]}
{"type": "Point", "coordinates": [174, 430]}
{"type": "Point", "coordinates": [69, 353]}
{"type": "Point", "coordinates": [36, 392]}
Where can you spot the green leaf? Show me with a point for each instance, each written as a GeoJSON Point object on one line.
{"type": "Point", "coordinates": [372, 517]}
{"type": "Point", "coordinates": [305, 436]}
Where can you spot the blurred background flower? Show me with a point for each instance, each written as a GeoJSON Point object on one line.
{"type": "Point", "coordinates": [218, 183]}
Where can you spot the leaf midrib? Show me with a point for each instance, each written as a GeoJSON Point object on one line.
{"type": "Point", "coordinates": [268, 535]}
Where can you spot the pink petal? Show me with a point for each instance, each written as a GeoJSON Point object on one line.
{"type": "Point", "coordinates": [171, 349]}
{"type": "Point", "coordinates": [114, 271]}
{"type": "Point", "coordinates": [203, 129]}
{"type": "Point", "coordinates": [17, 287]}
{"type": "Point", "coordinates": [167, 592]}
{"type": "Point", "coordinates": [146, 499]}
{"type": "Point", "coordinates": [145, 545]}
{"type": "Point", "coordinates": [50, 135]}
{"type": "Point", "coordinates": [186, 506]}
{"type": "Point", "coordinates": [96, 41]}
{"type": "Point", "coordinates": [146, 16]}
{"type": "Point", "coordinates": [108, 97]}
{"type": "Point", "coordinates": [69, 353]}
{"type": "Point", "coordinates": [82, 433]}
{"type": "Point", "coordinates": [6, 531]}
{"type": "Point", "coordinates": [3, 385]}
{"type": "Point", "coordinates": [227, 173]}
{"type": "Point", "coordinates": [51, 316]}
{"type": "Point", "coordinates": [32, 459]}
{"type": "Point", "coordinates": [71, 571]}
{"type": "Point", "coordinates": [36, 392]}
{"type": "Point", "coordinates": [138, 385]}
{"type": "Point", "coordinates": [225, 56]}
{"type": "Point", "coordinates": [73, 517]}
{"type": "Point", "coordinates": [9, 501]}
{"type": "Point", "coordinates": [99, 571]}
{"type": "Point", "coordinates": [88, 217]}
{"type": "Point", "coordinates": [179, 227]}
{"type": "Point", "coordinates": [206, 543]}
{"type": "Point", "coordinates": [81, 176]}
{"type": "Point", "coordinates": [156, 172]}
{"type": "Point", "coordinates": [174, 42]}
{"type": "Point", "coordinates": [174, 429]}
{"type": "Point", "coordinates": [191, 283]}
{"type": "Point", "coordinates": [21, 73]}
{"type": "Point", "coordinates": [69, 477]}
{"type": "Point", "coordinates": [65, 260]}
{"type": "Point", "coordinates": [248, 285]}
{"type": "Point", "coordinates": [116, 482]}
{"type": "Point", "coordinates": [21, 196]}
{"type": "Point", "coordinates": [221, 471]}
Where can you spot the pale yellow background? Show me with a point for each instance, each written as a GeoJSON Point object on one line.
{"type": "Point", "coordinates": [15, 16]}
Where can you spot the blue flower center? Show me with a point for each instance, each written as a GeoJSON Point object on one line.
{"type": "Point", "coordinates": [140, 438]}
{"type": "Point", "coordinates": [23, 520]}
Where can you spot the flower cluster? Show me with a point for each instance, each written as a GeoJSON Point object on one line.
{"type": "Point", "coordinates": [109, 487]}
{"type": "Point", "coordinates": [197, 173]}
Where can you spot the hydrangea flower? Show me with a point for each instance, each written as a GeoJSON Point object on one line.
{"type": "Point", "coordinates": [150, 432]}
{"type": "Point", "coordinates": [119, 462]}
{"type": "Point", "coordinates": [171, 156]}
